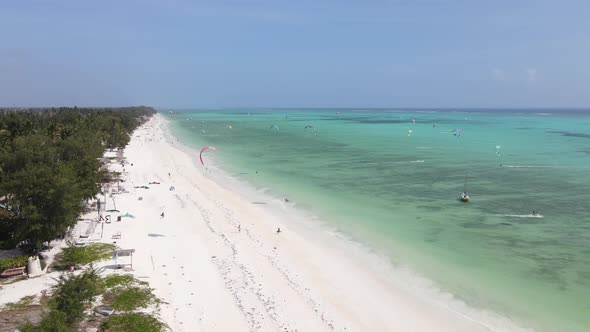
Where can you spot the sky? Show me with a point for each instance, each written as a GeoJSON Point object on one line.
{"type": "Point", "coordinates": [295, 53]}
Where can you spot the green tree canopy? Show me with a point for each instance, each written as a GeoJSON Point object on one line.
{"type": "Point", "coordinates": [50, 163]}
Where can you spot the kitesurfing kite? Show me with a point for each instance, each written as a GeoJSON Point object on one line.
{"type": "Point", "coordinates": [274, 127]}
{"type": "Point", "coordinates": [203, 150]}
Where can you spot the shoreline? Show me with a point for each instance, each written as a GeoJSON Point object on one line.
{"type": "Point", "coordinates": [217, 263]}
{"type": "Point", "coordinates": [305, 223]}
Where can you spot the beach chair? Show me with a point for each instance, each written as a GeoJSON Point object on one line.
{"type": "Point", "coordinates": [13, 272]}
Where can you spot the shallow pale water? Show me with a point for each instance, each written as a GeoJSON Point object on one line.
{"type": "Point", "coordinates": [398, 193]}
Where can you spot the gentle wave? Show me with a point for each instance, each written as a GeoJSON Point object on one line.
{"type": "Point", "coordinates": [520, 215]}
{"type": "Point", "coordinates": [409, 161]}
{"type": "Point", "coordinates": [531, 166]}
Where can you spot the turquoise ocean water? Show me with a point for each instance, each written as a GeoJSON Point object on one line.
{"type": "Point", "coordinates": [398, 192]}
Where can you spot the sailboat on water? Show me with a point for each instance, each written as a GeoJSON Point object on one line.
{"type": "Point", "coordinates": [464, 196]}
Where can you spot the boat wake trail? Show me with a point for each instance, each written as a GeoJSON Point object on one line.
{"type": "Point", "coordinates": [409, 161]}
{"type": "Point", "coordinates": [531, 166]}
{"type": "Point", "coordinates": [520, 215]}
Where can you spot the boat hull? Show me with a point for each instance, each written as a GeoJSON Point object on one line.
{"type": "Point", "coordinates": [464, 198]}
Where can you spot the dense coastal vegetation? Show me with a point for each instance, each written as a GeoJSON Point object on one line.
{"type": "Point", "coordinates": [71, 304]}
{"type": "Point", "coordinates": [50, 164]}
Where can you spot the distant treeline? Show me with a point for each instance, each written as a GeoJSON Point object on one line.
{"type": "Point", "coordinates": [50, 164]}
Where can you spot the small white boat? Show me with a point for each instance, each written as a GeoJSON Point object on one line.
{"type": "Point", "coordinates": [105, 311]}
{"type": "Point", "coordinates": [464, 197]}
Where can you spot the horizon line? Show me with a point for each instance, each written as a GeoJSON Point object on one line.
{"type": "Point", "coordinates": [360, 108]}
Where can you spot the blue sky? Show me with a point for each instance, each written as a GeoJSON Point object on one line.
{"type": "Point", "coordinates": [297, 53]}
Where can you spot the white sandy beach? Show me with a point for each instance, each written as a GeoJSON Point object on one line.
{"type": "Point", "coordinates": [214, 276]}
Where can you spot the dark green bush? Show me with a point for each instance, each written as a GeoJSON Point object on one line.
{"type": "Point", "coordinates": [132, 322]}
{"type": "Point", "coordinates": [73, 292]}
{"type": "Point", "coordinates": [131, 298]}
{"type": "Point", "coordinates": [12, 262]}
{"type": "Point", "coordinates": [114, 280]}
{"type": "Point", "coordinates": [73, 295]}
{"type": "Point", "coordinates": [85, 255]}
{"type": "Point", "coordinates": [53, 321]}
